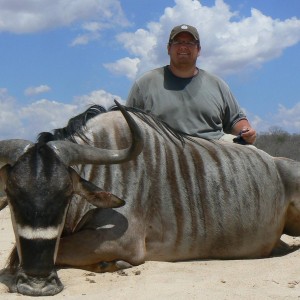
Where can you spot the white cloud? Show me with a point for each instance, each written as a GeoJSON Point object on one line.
{"type": "Point", "coordinates": [91, 32]}
{"type": "Point", "coordinates": [35, 90]}
{"type": "Point", "coordinates": [8, 115]}
{"type": "Point", "coordinates": [230, 43]}
{"type": "Point", "coordinates": [126, 65]}
{"type": "Point", "coordinates": [288, 118]}
{"type": "Point", "coordinates": [34, 16]}
{"type": "Point", "coordinates": [145, 46]}
{"type": "Point", "coordinates": [44, 115]}
{"type": "Point", "coordinates": [99, 97]}
{"type": "Point", "coordinates": [84, 39]}
{"type": "Point", "coordinates": [138, 43]}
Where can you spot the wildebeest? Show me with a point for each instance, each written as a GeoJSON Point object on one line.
{"type": "Point", "coordinates": [186, 198]}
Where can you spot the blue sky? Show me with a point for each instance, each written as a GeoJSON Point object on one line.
{"type": "Point", "coordinates": [59, 56]}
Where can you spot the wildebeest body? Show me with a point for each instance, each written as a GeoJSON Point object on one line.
{"type": "Point", "coordinates": [203, 200]}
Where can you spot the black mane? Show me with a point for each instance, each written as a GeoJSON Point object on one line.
{"type": "Point", "coordinates": [76, 126]}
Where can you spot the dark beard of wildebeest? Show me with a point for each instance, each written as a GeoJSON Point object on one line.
{"type": "Point", "coordinates": [186, 198]}
{"type": "Point", "coordinates": [39, 185]}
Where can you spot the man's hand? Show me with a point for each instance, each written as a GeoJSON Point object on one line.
{"type": "Point", "coordinates": [248, 135]}
{"type": "Point", "coordinates": [243, 129]}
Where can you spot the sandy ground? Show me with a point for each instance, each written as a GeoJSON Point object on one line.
{"type": "Point", "coordinates": [272, 278]}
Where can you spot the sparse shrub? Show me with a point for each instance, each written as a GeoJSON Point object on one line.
{"type": "Point", "coordinates": [278, 142]}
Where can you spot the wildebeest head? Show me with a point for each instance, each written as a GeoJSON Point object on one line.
{"type": "Point", "coordinates": [39, 184]}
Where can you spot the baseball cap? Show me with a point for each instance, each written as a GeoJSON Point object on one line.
{"type": "Point", "coordinates": [184, 28]}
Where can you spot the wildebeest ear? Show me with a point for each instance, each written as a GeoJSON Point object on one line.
{"type": "Point", "coordinates": [94, 194]}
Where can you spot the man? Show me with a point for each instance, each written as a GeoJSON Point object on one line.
{"type": "Point", "coordinates": [187, 98]}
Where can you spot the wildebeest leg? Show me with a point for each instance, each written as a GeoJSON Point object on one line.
{"type": "Point", "coordinates": [105, 238]}
{"type": "Point", "coordinates": [92, 250]}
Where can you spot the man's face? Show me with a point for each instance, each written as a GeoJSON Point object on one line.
{"type": "Point", "coordinates": [184, 50]}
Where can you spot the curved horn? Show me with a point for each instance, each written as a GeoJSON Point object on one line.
{"type": "Point", "coordinates": [72, 154]}
{"type": "Point", "coordinates": [11, 150]}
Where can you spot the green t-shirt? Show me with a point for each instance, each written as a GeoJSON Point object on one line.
{"type": "Point", "coordinates": [201, 106]}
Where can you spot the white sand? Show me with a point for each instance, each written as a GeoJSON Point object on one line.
{"type": "Point", "coordinates": [273, 278]}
